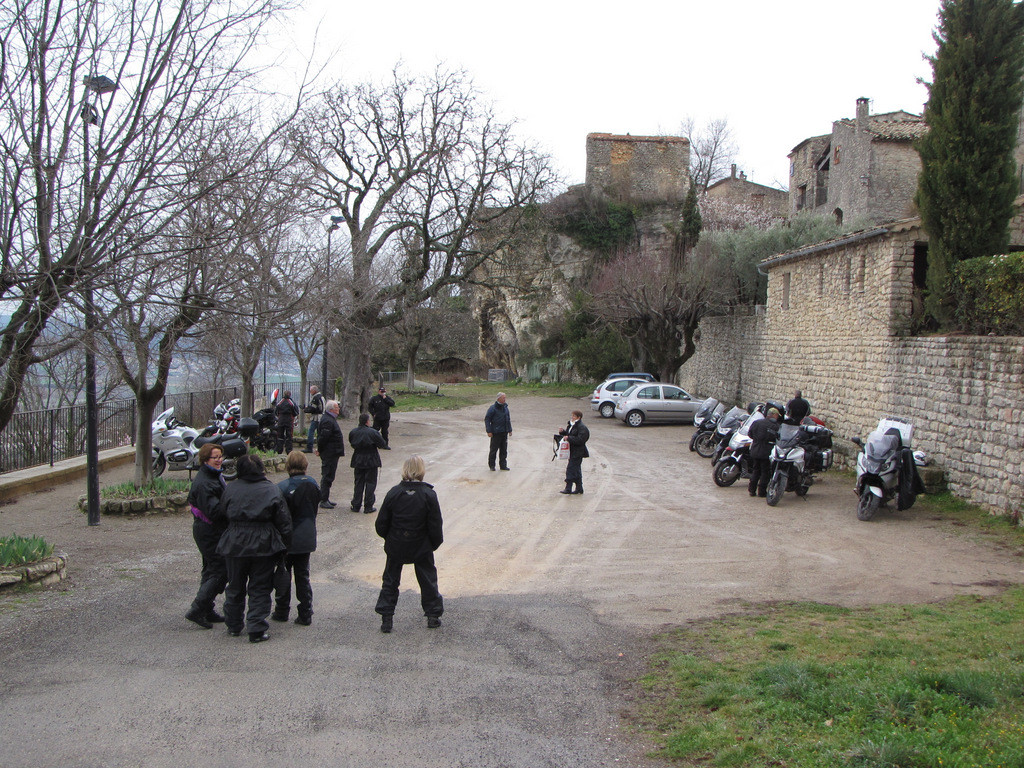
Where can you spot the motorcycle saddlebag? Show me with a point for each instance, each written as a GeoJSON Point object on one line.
{"type": "Point", "coordinates": [248, 427]}
{"type": "Point", "coordinates": [234, 448]}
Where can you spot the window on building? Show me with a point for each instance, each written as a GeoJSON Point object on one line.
{"type": "Point", "coordinates": [835, 154]}
{"type": "Point", "coordinates": [785, 290]}
{"type": "Point", "coordinates": [920, 265]}
{"type": "Point", "coordinates": [801, 197]}
{"type": "Point", "coordinates": [862, 268]}
{"type": "Point", "coordinates": [838, 214]}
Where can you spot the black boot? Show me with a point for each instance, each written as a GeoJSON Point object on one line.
{"type": "Point", "coordinates": [579, 488]}
{"type": "Point", "coordinates": [567, 489]}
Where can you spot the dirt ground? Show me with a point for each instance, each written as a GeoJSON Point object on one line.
{"type": "Point", "coordinates": [551, 602]}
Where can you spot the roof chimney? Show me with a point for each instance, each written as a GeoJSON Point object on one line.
{"type": "Point", "coordinates": [734, 170]}
{"type": "Point", "coordinates": [862, 113]}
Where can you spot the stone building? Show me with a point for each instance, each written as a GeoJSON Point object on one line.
{"type": "Point", "coordinates": [639, 168]}
{"type": "Point", "coordinates": [838, 325]}
{"type": "Point", "coordinates": [738, 191]}
{"type": "Point", "coordinates": [866, 169]}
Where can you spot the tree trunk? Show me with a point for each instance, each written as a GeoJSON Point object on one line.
{"type": "Point", "coordinates": [410, 369]}
{"type": "Point", "coordinates": [145, 405]}
{"type": "Point", "coordinates": [358, 376]}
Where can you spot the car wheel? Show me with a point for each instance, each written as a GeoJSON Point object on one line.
{"type": "Point", "coordinates": [634, 418]}
{"type": "Point", "coordinates": [607, 410]}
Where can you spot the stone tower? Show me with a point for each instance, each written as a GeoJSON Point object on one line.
{"type": "Point", "coordinates": [653, 169]}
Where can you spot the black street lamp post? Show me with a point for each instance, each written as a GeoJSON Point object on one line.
{"type": "Point", "coordinates": [335, 223]}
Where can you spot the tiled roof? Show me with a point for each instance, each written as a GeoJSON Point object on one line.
{"type": "Point", "coordinates": [893, 126]}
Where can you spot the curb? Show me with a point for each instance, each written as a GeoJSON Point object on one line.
{"type": "Point", "coordinates": [40, 574]}
{"type": "Point", "coordinates": [14, 484]}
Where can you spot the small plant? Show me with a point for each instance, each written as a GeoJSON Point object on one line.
{"type": "Point", "coordinates": [159, 487]}
{"type": "Point", "coordinates": [18, 550]}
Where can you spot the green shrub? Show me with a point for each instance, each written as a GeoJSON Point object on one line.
{"type": "Point", "coordinates": [989, 293]}
{"type": "Point", "coordinates": [18, 550]}
{"type": "Point", "coordinates": [160, 486]}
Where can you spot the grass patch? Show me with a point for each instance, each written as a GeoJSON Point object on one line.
{"type": "Point", "coordinates": [18, 550]}
{"type": "Point", "coordinates": [158, 487]}
{"type": "Point", "coordinates": [807, 685]}
{"type": "Point", "coordinates": [970, 519]}
{"type": "Point", "coordinates": [455, 396]}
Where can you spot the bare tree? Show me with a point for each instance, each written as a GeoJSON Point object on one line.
{"type": "Point", "coordinates": [98, 104]}
{"type": "Point", "coordinates": [657, 306]}
{"type": "Point", "coordinates": [416, 169]}
{"type": "Point", "coordinates": [712, 150]}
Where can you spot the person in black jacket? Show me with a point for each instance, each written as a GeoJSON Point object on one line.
{"type": "Point", "coordinates": [315, 409]}
{"type": "Point", "coordinates": [763, 433]}
{"type": "Point", "coordinates": [366, 443]}
{"type": "Point", "coordinates": [410, 524]}
{"type": "Point", "coordinates": [577, 434]}
{"type": "Point", "coordinates": [797, 409]}
{"type": "Point", "coordinates": [207, 527]}
{"type": "Point", "coordinates": [301, 494]}
{"type": "Point", "coordinates": [259, 530]}
{"type": "Point", "coordinates": [380, 406]}
{"type": "Point", "coordinates": [285, 412]}
{"type": "Point", "coordinates": [498, 426]}
{"type": "Point", "coordinates": [330, 446]}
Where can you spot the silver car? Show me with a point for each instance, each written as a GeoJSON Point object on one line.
{"type": "Point", "coordinates": [607, 394]}
{"type": "Point", "coordinates": [656, 404]}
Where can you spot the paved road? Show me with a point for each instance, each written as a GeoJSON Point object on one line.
{"type": "Point", "coordinates": [551, 602]}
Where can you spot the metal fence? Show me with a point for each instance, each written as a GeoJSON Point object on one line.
{"type": "Point", "coordinates": [34, 438]}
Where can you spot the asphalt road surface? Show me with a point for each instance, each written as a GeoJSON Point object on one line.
{"type": "Point", "coordinates": [551, 603]}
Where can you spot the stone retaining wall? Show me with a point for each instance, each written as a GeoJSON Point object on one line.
{"type": "Point", "coordinates": [963, 394]}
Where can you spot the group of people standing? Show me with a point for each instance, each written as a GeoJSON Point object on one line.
{"type": "Point", "coordinates": [763, 434]}
{"type": "Point", "coordinates": [255, 538]}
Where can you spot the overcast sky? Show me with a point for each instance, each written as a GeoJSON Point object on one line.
{"type": "Point", "coordinates": [778, 71]}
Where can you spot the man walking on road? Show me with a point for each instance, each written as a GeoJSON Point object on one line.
{"type": "Point", "coordinates": [330, 447]}
{"type": "Point", "coordinates": [498, 425]}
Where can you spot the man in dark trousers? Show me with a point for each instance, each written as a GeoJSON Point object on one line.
{"type": "Point", "coordinates": [285, 412]}
{"type": "Point", "coordinates": [577, 434]}
{"type": "Point", "coordinates": [380, 408]}
{"type": "Point", "coordinates": [797, 409]}
{"type": "Point", "coordinates": [498, 425]}
{"type": "Point", "coordinates": [763, 434]}
{"type": "Point", "coordinates": [330, 445]}
{"type": "Point", "coordinates": [315, 409]}
{"type": "Point", "coordinates": [366, 443]}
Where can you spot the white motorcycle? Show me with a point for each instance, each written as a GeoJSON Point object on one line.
{"type": "Point", "coordinates": [176, 446]}
{"type": "Point", "coordinates": [799, 452]}
{"type": "Point", "coordinates": [886, 468]}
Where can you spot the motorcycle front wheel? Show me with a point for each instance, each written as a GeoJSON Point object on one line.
{"type": "Point", "coordinates": [693, 440]}
{"type": "Point", "coordinates": [776, 487]}
{"type": "Point", "coordinates": [726, 473]}
{"type": "Point", "coordinates": [868, 504]}
{"type": "Point", "coordinates": [159, 465]}
{"type": "Point", "coordinates": [705, 445]}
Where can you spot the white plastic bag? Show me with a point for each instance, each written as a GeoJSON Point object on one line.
{"type": "Point", "coordinates": [563, 448]}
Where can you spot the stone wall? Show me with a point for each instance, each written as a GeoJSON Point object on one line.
{"type": "Point", "coordinates": [639, 168]}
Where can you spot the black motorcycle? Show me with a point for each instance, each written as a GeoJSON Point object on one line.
{"type": "Point", "coordinates": [706, 420]}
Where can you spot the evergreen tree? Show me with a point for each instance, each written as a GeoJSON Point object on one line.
{"type": "Point", "coordinates": [968, 175]}
{"type": "Point", "coordinates": [692, 223]}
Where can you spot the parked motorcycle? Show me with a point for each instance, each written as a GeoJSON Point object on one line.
{"type": "Point", "coordinates": [176, 446]}
{"type": "Point", "coordinates": [735, 461]}
{"type": "Point", "coordinates": [225, 418]}
{"type": "Point", "coordinates": [800, 451]}
{"type": "Point", "coordinates": [886, 468]}
{"type": "Point", "coordinates": [260, 430]}
{"type": "Point", "coordinates": [728, 424]}
{"type": "Point", "coordinates": [706, 420]}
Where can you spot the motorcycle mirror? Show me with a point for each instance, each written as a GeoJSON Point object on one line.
{"type": "Point", "coordinates": [857, 441]}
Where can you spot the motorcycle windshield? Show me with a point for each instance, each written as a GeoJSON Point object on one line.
{"type": "Point", "coordinates": [789, 436]}
{"type": "Point", "coordinates": [755, 416]}
{"type": "Point", "coordinates": [732, 419]}
{"type": "Point", "coordinates": [163, 417]}
{"type": "Point", "coordinates": [706, 409]}
{"type": "Point", "coordinates": [881, 446]}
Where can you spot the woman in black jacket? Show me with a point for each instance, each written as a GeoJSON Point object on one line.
{"type": "Point", "coordinates": [410, 523]}
{"type": "Point", "coordinates": [302, 495]}
{"type": "Point", "coordinates": [259, 530]}
{"type": "Point", "coordinates": [207, 527]}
